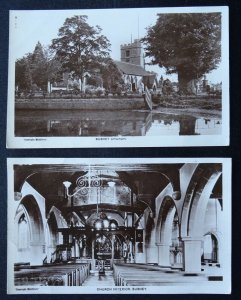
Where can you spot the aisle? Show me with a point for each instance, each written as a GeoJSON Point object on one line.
{"type": "Point", "coordinates": [96, 280]}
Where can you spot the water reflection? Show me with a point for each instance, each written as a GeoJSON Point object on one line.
{"type": "Point", "coordinates": [110, 123]}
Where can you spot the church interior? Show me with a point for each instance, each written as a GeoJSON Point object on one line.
{"type": "Point", "coordinates": [117, 224]}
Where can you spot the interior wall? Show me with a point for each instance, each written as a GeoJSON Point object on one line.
{"type": "Point", "coordinates": [34, 208]}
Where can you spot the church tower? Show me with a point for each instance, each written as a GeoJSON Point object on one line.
{"type": "Point", "coordinates": [133, 53]}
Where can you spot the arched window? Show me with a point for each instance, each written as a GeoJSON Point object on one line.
{"type": "Point", "coordinates": [210, 248]}
{"type": "Point", "coordinates": [23, 233]}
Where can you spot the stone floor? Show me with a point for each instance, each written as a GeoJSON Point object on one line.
{"type": "Point", "coordinates": [104, 280]}
{"type": "Point", "coordinates": [169, 277]}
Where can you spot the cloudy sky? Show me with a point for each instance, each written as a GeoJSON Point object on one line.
{"type": "Point", "coordinates": [120, 26]}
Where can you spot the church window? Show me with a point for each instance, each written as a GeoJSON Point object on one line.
{"type": "Point", "coordinates": [23, 233]}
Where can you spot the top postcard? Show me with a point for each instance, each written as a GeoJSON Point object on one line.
{"type": "Point", "coordinates": [139, 77]}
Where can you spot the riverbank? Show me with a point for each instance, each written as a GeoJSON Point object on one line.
{"type": "Point", "coordinates": [81, 104]}
{"type": "Point", "coordinates": [194, 112]}
{"type": "Point", "coordinates": [188, 106]}
{"type": "Point", "coordinates": [196, 107]}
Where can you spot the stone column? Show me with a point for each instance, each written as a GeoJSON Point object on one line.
{"type": "Point", "coordinates": [163, 255]}
{"type": "Point", "coordinates": [84, 249]}
{"type": "Point", "coordinates": [36, 255]}
{"type": "Point", "coordinates": [139, 255]}
{"type": "Point", "coordinates": [73, 252]}
{"type": "Point", "coordinates": [112, 250]}
{"type": "Point", "coordinates": [93, 256]}
{"type": "Point", "coordinates": [151, 254]}
{"type": "Point", "coordinates": [192, 255]}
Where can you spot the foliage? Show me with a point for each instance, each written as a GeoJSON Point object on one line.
{"type": "Point", "coordinates": [23, 78]}
{"type": "Point", "coordinates": [95, 80]}
{"type": "Point", "coordinates": [36, 69]}
{"type": "Point", "coordinates": [93, 90]}
{"type": "Point", "coordinates": [112, 77]}
{"type": "Point", "coordinates": [79, 46]}
{"type": "Point", "coordinates": [167, 87]}
{"type": "Point", "coordinates": [188, 44]}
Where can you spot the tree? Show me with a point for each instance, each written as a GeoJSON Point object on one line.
{"type": "Point", "coordinates": [167, 87]}
{"type": "Point", "coordinates": [79, 46]}
{"type": "Point", "coordinates": [23, 77]}
{"type": "Point", "coordinates": [188, 44]}
{"type": "Point", "coordinates": [112, 77]}
{"type": "Point", "coordinates": [36, 69]}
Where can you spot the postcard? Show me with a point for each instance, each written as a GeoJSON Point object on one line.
{"type": "Point", "coordinates": [119, 226]}
{"type": "Point", "coordinates": [138, 77]}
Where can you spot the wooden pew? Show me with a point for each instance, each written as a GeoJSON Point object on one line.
{"type": "Point", "coordinates": [62, 274]}
{"type": "Point", "coordinates": [142, 275]}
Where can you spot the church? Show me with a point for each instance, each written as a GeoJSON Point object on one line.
{"type": "Point", "coordinates": [132, 68]}
{"type": "Point", "coordinates": [118, 222]}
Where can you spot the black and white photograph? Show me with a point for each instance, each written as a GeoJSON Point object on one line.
{"type": "Point", "coordinates": [138, 77]}
{"type": "Point", "coordinates": [112, 226]}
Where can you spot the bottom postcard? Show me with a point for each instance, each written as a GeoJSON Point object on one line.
{"type": "Point", "coordinates": [119, 226]}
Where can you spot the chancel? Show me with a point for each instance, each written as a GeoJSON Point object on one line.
{"type": "Point", "coordinates": [118, 224]}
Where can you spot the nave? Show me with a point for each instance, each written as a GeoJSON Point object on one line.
{"type": "Point", "coordinates": [123, 274]}
{"type": "Point", "coordinates": [120, 224]}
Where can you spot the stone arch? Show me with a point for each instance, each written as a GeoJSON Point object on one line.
{"type": "Point", "coordinates": [195, 202]}
{"type": "Point", "coordinates": [216, 243]}
{"type": "Point", "coordinates": [61, 222]}
{"type": "Point", "coordinates": [149, 227]}
{"type": "Point", "coordinates": [74, 220]}
{"type": "Point", "coordinates": [164, 227]}
{"type": "Point", "coordinates": [22, 222]}
{"type": "Point", "coordinates": [52, 237]}
{"type": "Point", "coordinates": [164, 222]}
{"type": "Point", "coordinates": [35, 218]}
{"type": "Point", "coordinates": [52, 224]}
{"type": "Point", "coordinates": [28, 218]}
{"type": "Point", "coordinates": [149, 238]}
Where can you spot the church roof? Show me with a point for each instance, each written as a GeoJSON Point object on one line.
{"type": "Point", "coordinates": [131, 69]}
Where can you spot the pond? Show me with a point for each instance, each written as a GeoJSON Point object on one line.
{"type": "Point", "coordinates": [57, 123]}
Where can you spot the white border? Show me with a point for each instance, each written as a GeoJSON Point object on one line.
{"type": "Point", "coordinates": [208, 288]}
{"type": "Point", "coordinates": [145, 141]}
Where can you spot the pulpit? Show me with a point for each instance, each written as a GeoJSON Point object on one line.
{"type": "Point", "coordinates": [102, 258]}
